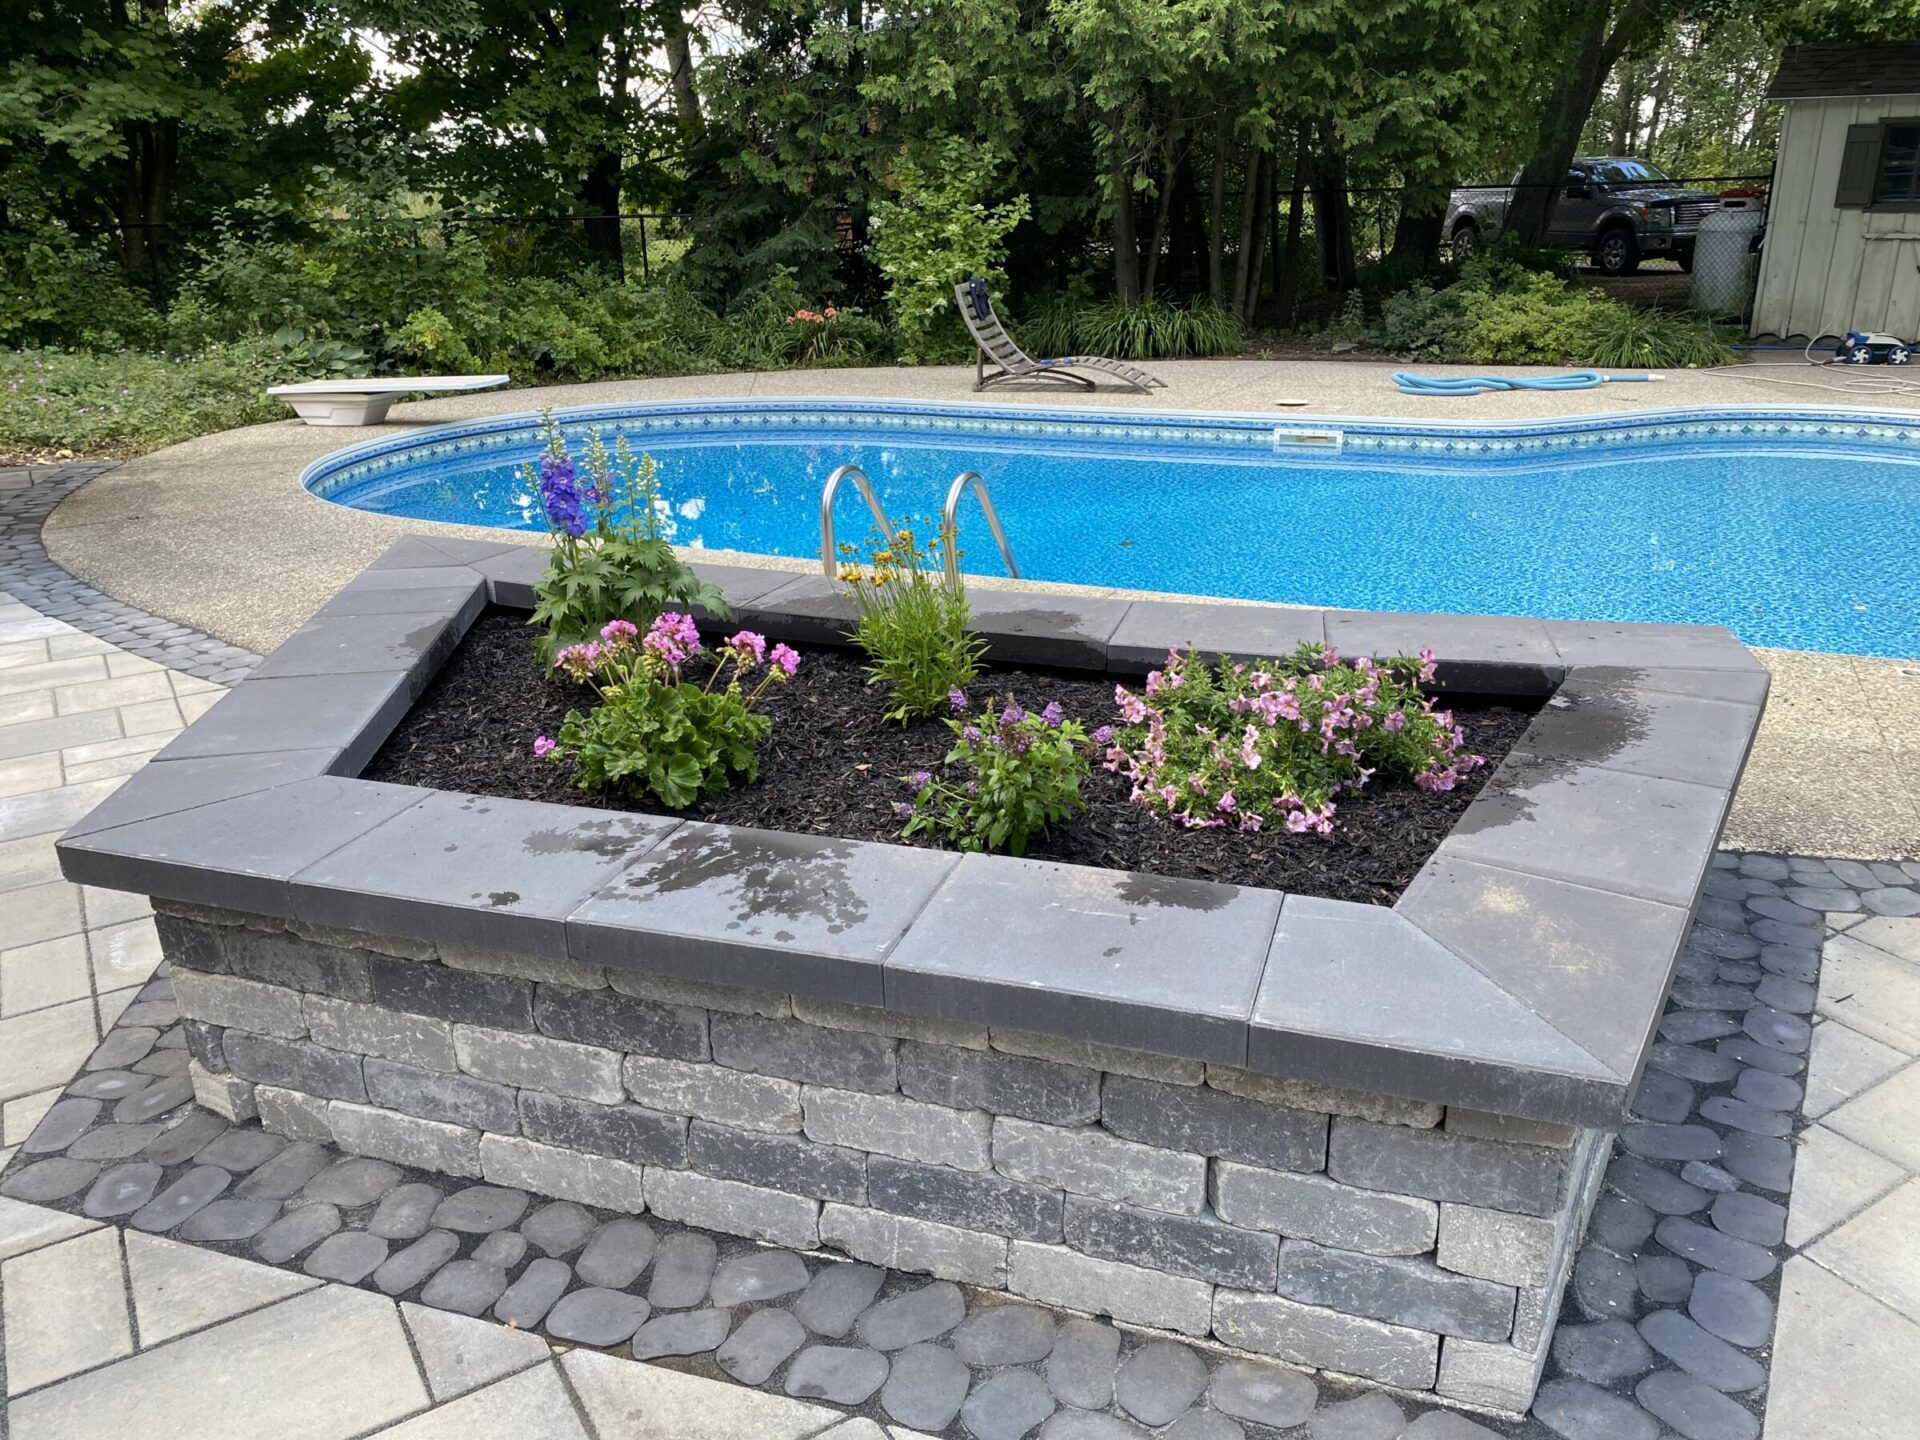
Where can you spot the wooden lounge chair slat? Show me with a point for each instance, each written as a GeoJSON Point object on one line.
{"type": "Point", "coordinates": [992, 342]}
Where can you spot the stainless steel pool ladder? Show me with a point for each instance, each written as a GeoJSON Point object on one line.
{"type": "Point", "coordinates": [949, 523]}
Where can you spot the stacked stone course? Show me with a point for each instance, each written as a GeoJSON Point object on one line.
{"type": "Point", "coordinates": [1378, 1237]}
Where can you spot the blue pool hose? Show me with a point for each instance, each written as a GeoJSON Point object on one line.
{"type": "Point", "coordinates": [1409, 383]}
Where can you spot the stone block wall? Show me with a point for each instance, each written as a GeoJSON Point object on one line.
{"type": "Point", "coordinates": [1384, 1238]}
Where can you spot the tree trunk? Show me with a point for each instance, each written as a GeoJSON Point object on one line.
{"type": "Point", "coordinates": [1249, 213]}
{"type": "Point", "coordinates": [1126, 237]}
{"type": "Point", "coordinates": [1599, 38]}
{"type": "Point", "coordinates": [599, 196]}
{"type": "Point", "coordinates": [1418, 233]}
{"type": "Point", "coordinates": [1287, 296]}
{"type": "Point", "coordinates": [1216, 220]}
{"type": "Point", "coordinates": [1162, 209]}
{"type": "Point", "coordinates": [1332, 213]}
{"type": "Point", "coordinates": [1257, 257]}
{"type": "Point", "coordinates": [677, 42]}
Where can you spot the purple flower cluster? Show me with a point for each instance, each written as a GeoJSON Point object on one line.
{"type": "Point", "coordinates": [561, 495]}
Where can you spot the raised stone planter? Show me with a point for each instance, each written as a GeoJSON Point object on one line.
{"type": "Point", "coordinates": [1355, 1138]}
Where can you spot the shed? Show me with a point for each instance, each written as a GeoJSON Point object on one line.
{"type": "Point", "coordinates": [1842, 247]}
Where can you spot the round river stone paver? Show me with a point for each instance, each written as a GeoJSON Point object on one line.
{"type": "Point", "coordinates": [411, 1266]}
{"type": "Point", "coordinates": [1203, 1425]}
{"type": "Point", "coordinates": [63, 1124]}
{"type": "Point", "coordinates": [1080, 1369]}
{"type": "Point", "coordinates": [1663, 1279]}
{"type": "Point", "coordinates": [349, 1257]}
{"type": "Point", "coordinates": [183, 1199]}
{"type": "Point", "coordinates": [767, 1275]}
{"type": "Point", "coordinates": [113, 1142]}
{"type": "Point", "coordinates": [296, 1231]}
{"type": "Point", "coordinates": [181, 1141]}
{"type": "Point", "coordinates": [353, 1183]}
{"type": "Point", "coordinates": [480, 1209]}
{"type": "Point", "coordinates": [1576, 1410]}
{"type": "Point", "coordinates": [927, 1384]}
{"type": "Point", "coordinates": [527, 1300]}
{"type": "Point", "coordinates": [468, 1287]}
{"type": "Point", "coordinates": [230, 1219]}
{"type": "Point", "coordinates": [122, 1190]}
{"type": "Point", "coordinates": [617, 1253]}
{"type": "Point", "coordinates": [1735, 1310]}
{"type": "Point", "coordinates": [842, 1374]}
{"type": "Point", "coordinates": [685, 1332]}
{"type": "Point", "coordinates": [595, 1316]}
{"type": "Point", "coordinates": [1366, 1417]}
{"type": "Point", "coordinates": [1621, 1223]}
{"type": "Point", "coordinates": [281, 1176]}
{"type": "Point", "coordinates": [923, 1314]}
{"type": "Point", "coordinates": [1692, 1241]}
{"type": "Point", "coordinates": [239, 1151]}
{"type": "Point", "coordinates": [1750, 1217]}
{"type": "Point", "coordinates": [761, 1346]}
{"type": "Point", "coordinates": [1159, 1381]}
{"type": "Point", "coordinates": [1604, 1352]}
{"type": "Point", "coordinates": [1763, 1087]}
{"type": "Point", "coordinates": [1707, 1357]}
{"type": "Point", "coordinates": [406, 1212]}
{"type": "Point", "coordinates": [1007, 1406]}
{"type": "Point", "coordinates": [682, 1267]}
{"type": "Point", "coordinates": [503, 1248]}
{"type": "Point", "coordinates": [558, 1228]}
{"type": "Point", "coordinates": [45, 1181]}
{"type": "Point", "coordinates": [109, 1084]}
{"type": "Point", "coordinates": [1005, 1335]}
{"type": "Point", "coordinates": [836, 1298]}
{"type": "Point", "coordinates": [1270, 1394]}
{"type": "Point", "coordinates": [1694, 1409]}
{"type": "Point", "coordinates": [1082, 1425]}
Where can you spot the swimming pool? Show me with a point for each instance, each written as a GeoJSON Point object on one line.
{"type": "Point", "coordinates": [1798, 529]}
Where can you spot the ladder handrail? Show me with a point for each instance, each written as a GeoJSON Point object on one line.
{"type": "Point", "coordinates": [949, 526]}
{"type": "Point", "coordinates": [829, 555]}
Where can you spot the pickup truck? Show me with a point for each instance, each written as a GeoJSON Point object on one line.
{"type": "Point", "coordinates": [1620, 211]}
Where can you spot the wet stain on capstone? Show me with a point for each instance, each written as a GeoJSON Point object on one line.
{"type": "Point", "coordinates": [768, 874]}
{"type": "Point", "coordinates": [1027, 622]}
{"type": "Point", "coordinates": [1135, 888]}
{"type": "Point", "coordinates": [609, 839]}
{"type": "Point", "coordinates": [499, 898]}
{"type": "Point", "coordinates": [1582, 725]}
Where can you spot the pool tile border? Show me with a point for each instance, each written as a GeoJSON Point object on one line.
{"type": "Point", "coordinates": [273, 818]}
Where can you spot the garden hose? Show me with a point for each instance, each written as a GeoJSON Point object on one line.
{"type": "Point", "coordinates": [1410, 383]}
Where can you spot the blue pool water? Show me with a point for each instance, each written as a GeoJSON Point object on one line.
{"type": "Point", "coordinates": [1799, 529]}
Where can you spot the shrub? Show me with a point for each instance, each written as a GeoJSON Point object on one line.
{"type": "Point", "coordinates": [1538, 321]}
{"type": "Point", "coordinates": [54, 402]}
{"type": "Point", "coordinates": [656, 734]}
{"type": "Point", "coordinates": [1424, 323]}
{"type": "Point", "coordinates": [1624, 335]}
{"type": "Point", "coordinates": [913, 626]}
{"type": "Point", "coordinates": [611, 557]}
{"type": "Point", "coordinates": [1026, 771]}
{"type": "Point", "coordinates": [1266, 743]}
{"type": "Point", "coordinates": [1145, 330]}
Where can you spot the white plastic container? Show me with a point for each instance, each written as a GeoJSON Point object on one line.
{"type": "Point", "coordinates": [1722, 258]}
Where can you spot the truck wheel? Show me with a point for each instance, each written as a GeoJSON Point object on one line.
{"type": "Point", "coordinates": [1617, 252]}
{"type": "Point", "coordinates": [1466, 242]}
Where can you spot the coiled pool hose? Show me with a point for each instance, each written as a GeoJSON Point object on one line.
{"type": "Point", "coordinates": [1410, 383]}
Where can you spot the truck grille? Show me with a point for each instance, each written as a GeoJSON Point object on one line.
{"type": "Point", "coordinates": [1690, 212]}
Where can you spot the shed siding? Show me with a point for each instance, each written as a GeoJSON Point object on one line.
{"type": "Point", "coordinates": [1825, 270]}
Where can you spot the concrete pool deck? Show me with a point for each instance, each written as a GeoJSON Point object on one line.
{"type": "Point", "coordinates": [217, 533]}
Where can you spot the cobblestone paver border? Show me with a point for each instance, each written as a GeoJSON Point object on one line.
{"type": "Point", "coordinates": [1667, 1327]}
{"type": "Point", "coordinates": [28, 495]}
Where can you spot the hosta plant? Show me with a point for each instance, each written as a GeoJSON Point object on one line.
{"type": "Point", "coordinates": [1265, 744]}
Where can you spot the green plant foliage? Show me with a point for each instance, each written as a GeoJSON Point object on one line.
{"type": "Point", "coordinates": [934, 232]}
{"type": "Point", "coordinates": [612, 553]}
{"type": "Point", "coordinates": [914, 627]}
{"type": "Point", "coordinates": [123, 403]}
{"type": "Point", "coordinates": [1624, 336]}
{"type": "Point", "coordinates": [1142, 330]}
{"type": "Point", "coordinates": [1023, 775]}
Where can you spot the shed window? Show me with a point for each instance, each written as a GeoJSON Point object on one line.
{"type": "Point", "coordinates": [1898, 181]}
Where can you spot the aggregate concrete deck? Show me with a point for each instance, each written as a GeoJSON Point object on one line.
{"type": "Point", "coordinates": [217, 533]}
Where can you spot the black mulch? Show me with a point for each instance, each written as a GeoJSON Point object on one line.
{"type": "Point", "coordinates": [833, 767]}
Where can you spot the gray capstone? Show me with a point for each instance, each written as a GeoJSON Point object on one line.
{"type": "Point", "coordinates": [923, 1314]}
{"type": "Point", "coordinates": [1007, 1406]}
{"type": "Point", "coordinates": [480, 1209]}
{"type": "Point", "coordinates": [348, 1256]}
{"type": "Point", "coordinates": [687, 1332]}
{"type": "Point", "coordinates": [617, 1253]}
{"type": "Point", "coordinates": [1005, 1335]}
{"type": "Point", "coordinates": [1695, 1408]}
{"type": "Point", "coordinates": [682, 1268]}
{"type": "Point", "coordinates": [836, 1297]}
{"type": "Point", "coordinates": [1604, 1352]}
{"type": "Point", "coordinates": [1736, 1310]}
{"type": "Point", "coordinates": [297, 1231]}
{"type": "Point", "coordinates": [353, 1182]}
{"type": "Point", "coordinates": [559, 1228]}
{"type": "Point", "coordinates": [525, 1302]}
{"type": "Point", "coordinates": [1269, 1394]}
{"type": "Point", "coordinates": [1158, 1381]}
{"type": "Point", "coordinates": [1366, 1417]}
{"type": "Point", "coordinates": [1575, 1410]}
{"type": "Point", "coordinates": [239, 1151]}
{"type": "Point", "coordinates": [230, 1219]}
{"type": "Point", "coordinates": [926, 1385]}
{"type": "Point", "coordinates": [839, 1373]}
{"type": "Point", "coordinates": [468, 1287]}
{"type": "Point", "coordinates": [1704, 1356]}
{"type": "Point", "coordinates": [504, 1249]}
{"type": "Point", "coordinates": [122, 1190]}
{"type": "Point", "coordinates": [760, 1346]}
{"type": "Point", "coordinates": [1080, 1369]}
{"type": "Point", "coordinates": [183, 1199]}
{"type": "Point", "coordinates": [412, 1266]}
{"type": "Point", "coordinates": [1750, 1217]}
{"type": "Point", "coordinates": [406, 1212]}
{"type": "Point", "coordinates": [765, 1275]}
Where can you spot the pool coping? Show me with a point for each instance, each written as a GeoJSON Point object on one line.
{"type": "Point", "coordinates": [1522, 972]}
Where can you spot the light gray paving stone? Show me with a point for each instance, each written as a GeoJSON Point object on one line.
{"type": "Point", "coordinates": [66, 1311]}
{"type": "Point", "coordinates": [1159, 1381]}
{"type": "Point", "coordinates": [348, 1256]}
{"type": "Point", "coordinates": [410, 1268]}
{"type": "Point", "coordinates": [760, 1345]}
{"type": "Point", "coordinates": [353, 1182]}
{"type": "Point", "coordinates": [682, 1270]}
{"type": "Point", "coordinates": [1603, 1353]}
{"type": "Point", "coordinates": [504, 1248]}
{"type": "Point", "coordinates": [839, 1373]}
{"type": "Point", "coordinates": [1696, 1410]}
{"type": "Point", "coordinates": [924, 1313]}
{"type": "Point", "coordinates": [182, 1200]}
{"type": "Point", "coordinates": [764, 1275]}
{"type": "Point", "coordinates": [296, 1232]}
{"type": "Point", "coordinates": [926, 1385]}
{"type": "Point", "coordinates": [1575, 1410]}
{"type": "Point", "coordinates": [459, 1354]}
{"type": "Point", "coordinates": [1704, 1356]}
{"type": "Point", "coordinates": [1005, 1335]}
{"type": "Point", "coordinates": [466, 1287]}
{"type": "Point", "coordinates": [836, 1297]}
{"type": "Point", "coordinates": [405, 1212]}
{"type": "Point", "coordinates": [1738, 1311]}
{"type": "Point", "coordinates": [617, 1254]}
{"type": "Point", "coordinates": [686, 1332]}
{"type": "Point", "coordinates": [1365, 1417]}
{"type": "Point", "coordinates": [480, 1209]}
{"type": "Point", "coordinates": [524, 1303]}
{"type": "Point", "coordinates": [1007, 1406]}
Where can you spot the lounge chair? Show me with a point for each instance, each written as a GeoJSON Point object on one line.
{"type": "Point", "coordinates": [365, 401]}
{"type": "Point", "coordinates": [991, 342]}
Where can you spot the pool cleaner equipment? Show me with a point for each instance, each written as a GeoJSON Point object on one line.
{"type": "Point", "coordinates": [1408, 382]}
{"type": "Point", "coordinates": [1864, 354]}
{"type": "Point", "coordinates": [1872, 348]}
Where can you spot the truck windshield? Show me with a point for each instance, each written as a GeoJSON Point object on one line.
{"type": "Point", "coordinates": [1627, 172]}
